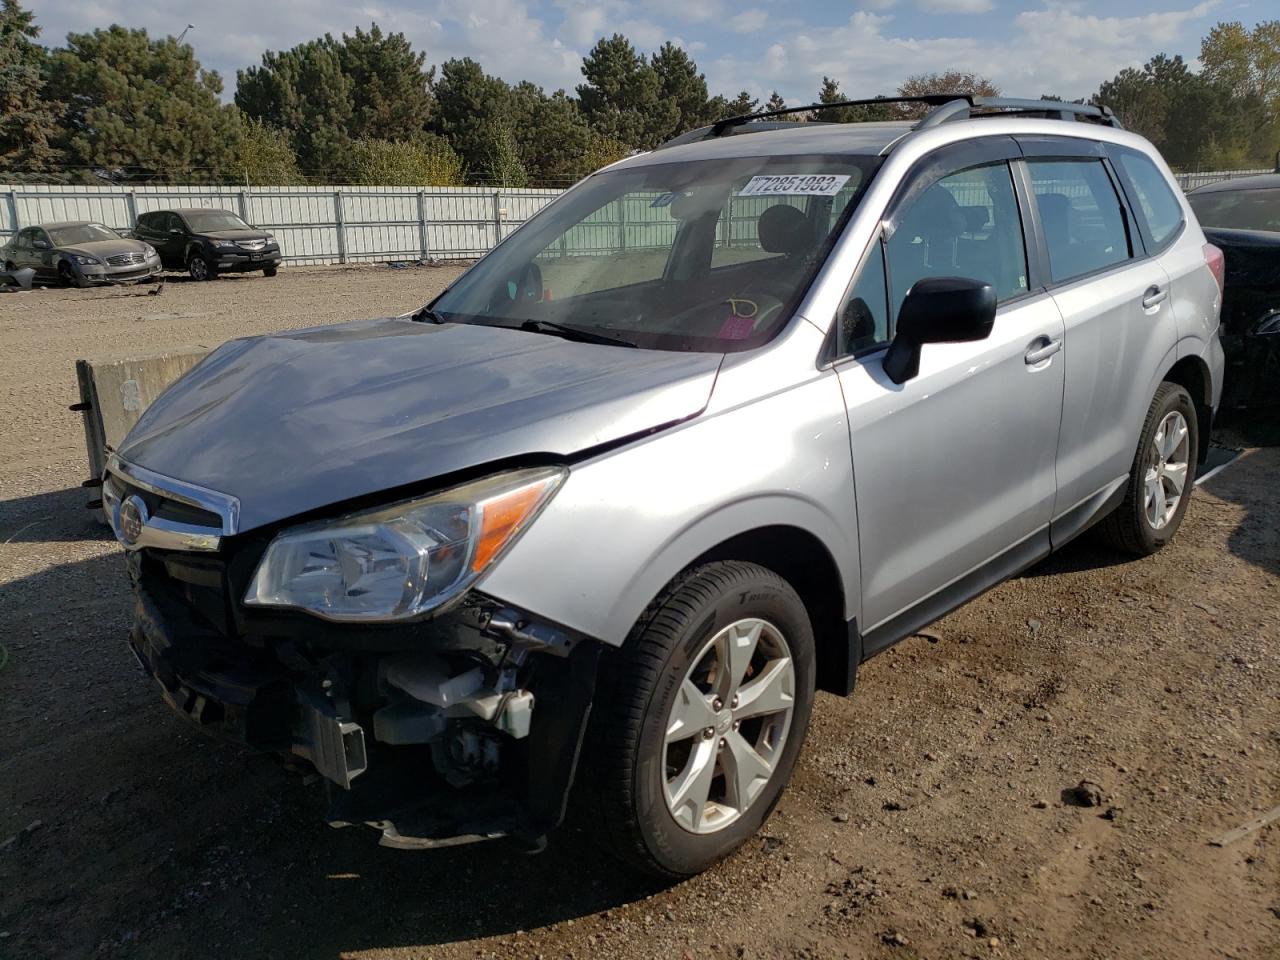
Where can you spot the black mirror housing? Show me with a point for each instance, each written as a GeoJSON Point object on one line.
{"type": "Point", "coordinates": [938, 310]}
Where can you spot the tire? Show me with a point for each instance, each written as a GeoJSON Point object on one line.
{"type": "Point", "coordinates": [68, 278]}
{"type": "Point", "coordinates": [1131, 528]}
{"type": "Point", "coordinates": [9, 266]}
{"type": "Point", "coordinates": [632, 770]}
{"type": "Point", "coordinates": [199, 269]}
{"type": "Point", "coordinates": [270, 271]}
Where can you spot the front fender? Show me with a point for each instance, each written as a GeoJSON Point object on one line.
{"type": "Point", "coordinates": [625, 523]}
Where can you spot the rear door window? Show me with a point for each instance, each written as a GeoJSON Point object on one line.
{"type": "Point", "coordinates": [1159, 205]}
{"type": "Point", "coordinates": [1081, 216]}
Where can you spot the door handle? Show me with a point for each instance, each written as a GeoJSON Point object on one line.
{"type": "Point", "coordinates": [1041, 349]}
{"type": "Point", "coordinates": [1153, 298]}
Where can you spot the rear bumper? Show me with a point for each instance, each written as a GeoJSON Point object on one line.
{"type": "Point", "coordinates": [428, 755]}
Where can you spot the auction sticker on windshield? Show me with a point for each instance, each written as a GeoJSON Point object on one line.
{"type": "Point", "coordinates": [795, 184]}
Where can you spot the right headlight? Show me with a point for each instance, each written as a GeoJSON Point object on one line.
{"type": "Point", "coordinates": [401, 561]}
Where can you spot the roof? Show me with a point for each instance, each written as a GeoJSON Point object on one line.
{"type": "Point", "coordinates": [1264, 181]}
{"type": "Point", "coordinates": [183, 211]}
{"type": "Point", "coordinates": [64, 223]}
{"type": "Point", "coordinates": [865, 139]}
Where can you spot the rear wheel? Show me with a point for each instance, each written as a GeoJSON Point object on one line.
{"type": "Point", "coordinates": [1161, 478]}
{"type": "Point", "coordinates": [200, 269]}
{"type": "Point", "coordinates": [699, 719]}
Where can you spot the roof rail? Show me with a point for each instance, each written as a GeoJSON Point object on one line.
{"type": "Point", "coordinates": [965, 108]}
{"type": "Point", "coordinates": [727, 126]}
{"type": "Point", "coordinates": [946, 107]}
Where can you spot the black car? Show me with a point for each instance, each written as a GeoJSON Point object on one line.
{"type": "Point", "coordinates": [1242, 217]}
{"type": "Point", "coordinates": [207, 242]}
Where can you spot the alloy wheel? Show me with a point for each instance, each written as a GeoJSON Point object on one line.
{"type": "Point", "coordinates": [198, 268]}
{"type": "Point", "coordinates": [728, 726]}
{"type": "Point", "coordinates": [1168, 463]}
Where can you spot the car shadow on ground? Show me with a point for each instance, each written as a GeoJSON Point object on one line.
{"type": "Point", "coordinates": [56, 516]}
{"type": "Point", "coordinates": [172, 844]}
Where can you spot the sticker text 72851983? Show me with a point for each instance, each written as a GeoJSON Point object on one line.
{"type": "Point", "coordinates": [796, 184]}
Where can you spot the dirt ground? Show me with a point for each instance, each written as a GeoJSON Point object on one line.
{"type": "Point", "coordinates": [927, 818]}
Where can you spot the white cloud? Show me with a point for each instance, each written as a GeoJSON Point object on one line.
{"type": "Point", "coordinates": [1057, 48]}
{"type": "Point", "coordinates": [956, 6]}
{"type": "Point", "coordinates": [748, 21]}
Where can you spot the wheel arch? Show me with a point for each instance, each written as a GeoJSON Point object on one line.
{"type": "Point", "coordinates": [805, 562]}
{"type": "Point", "coordinates": [1192, 374]}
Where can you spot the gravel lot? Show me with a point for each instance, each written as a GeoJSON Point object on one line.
{"type": "Point", "coordinates": [928, 816]}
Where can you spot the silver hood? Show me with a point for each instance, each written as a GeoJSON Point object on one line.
{"type": "Point", "coordinates": [295, 421]}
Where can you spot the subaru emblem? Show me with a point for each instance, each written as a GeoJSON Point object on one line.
{"type": "Point", "coordinates": [131, 518]}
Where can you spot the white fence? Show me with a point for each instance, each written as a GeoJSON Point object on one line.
{"type": "Point", "coordinates": [353, 224]}
{"type": "Point", "coordinates": [312, 224]}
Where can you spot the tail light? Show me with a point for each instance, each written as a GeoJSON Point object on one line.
{"type": "Point", "coordinates": [1216, 261]}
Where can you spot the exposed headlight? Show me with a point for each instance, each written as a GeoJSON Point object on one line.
{"type": "Point", "coordinates": [81, 259]}
{"type": "Point", "coordinates": [149, 250]}
{"type": "Point", "coordinates": [404, 560]}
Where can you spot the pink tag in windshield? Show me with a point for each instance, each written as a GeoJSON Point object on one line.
{"type": "Point", "coordinates": [737, 328]}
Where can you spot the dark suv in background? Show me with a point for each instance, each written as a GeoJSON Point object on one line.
{"type": "Point", "coordinates": [207, 242]}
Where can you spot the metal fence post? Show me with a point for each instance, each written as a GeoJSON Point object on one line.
{"type": "Point", "coordinates": [13, 210]}
{"type": "Point", "coordinates": [497, 218]}
{"type": "Point", "coordinates": [341, 226]}
{"type": "Point", "coordinates": [131, 203]}
{"type": "Point", "coordinates": [422, 225]}
{"type": "Point", "coordinates": [244, 207]}
{"type": "Point", "coordinates": [622, 224]}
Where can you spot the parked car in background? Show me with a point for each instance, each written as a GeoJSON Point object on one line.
{"type": "Point", "coordinates": [79, 253]}
{"type": "Point", "coordinates": [622, 533]}
{"type": "Point", "coordinates": [1243, 218]}
{"type": "Point", "coordinates": [207, 242]}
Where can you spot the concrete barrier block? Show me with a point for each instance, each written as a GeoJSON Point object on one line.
{"type": "Point", "coordinates": [115, 392]}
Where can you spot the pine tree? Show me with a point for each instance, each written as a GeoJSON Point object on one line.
{"type": "Point", "coordinates": [141, 108]}
{"type": "Point", "coordinates": [621, 96]}
{"type": "Point", "coordinates": [28, 120]}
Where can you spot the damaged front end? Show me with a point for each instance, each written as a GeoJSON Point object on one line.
{"type": "Point", "coordinates": [461, 727]}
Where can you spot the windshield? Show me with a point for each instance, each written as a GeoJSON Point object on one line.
{"type": "Point", "coordinates": [1238, 209]}
{"type": "Point", "coordinates": [81, 233]}
{"type": "Point", "coordinates": [707, 255]}
{"type": "Point", "coordinates": [215, 220]}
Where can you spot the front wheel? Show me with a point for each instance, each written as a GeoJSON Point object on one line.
{"type": "Point", "coordinates": [1161, 479]}
{"type": "Point", "coordinates": [200, 269]}
{"type": "Point", "coordinates": [699, 719]}
{"type": "Point", "coordinates": [68, 277]}
{"type": "Point", "coordinates": [270, 271]}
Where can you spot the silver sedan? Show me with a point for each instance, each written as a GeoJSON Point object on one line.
{"type": "Point", "coordinates": [80, 253]}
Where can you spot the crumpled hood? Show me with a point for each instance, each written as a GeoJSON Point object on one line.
{"type": "Point", "coordinates": [295, 421]}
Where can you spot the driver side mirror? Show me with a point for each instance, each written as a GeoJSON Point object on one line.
{"type": "Point", "coordinates": [938, 310]}
{"type": "Point", "coordinates": [175, 231]}
{"type": "Point", "coordinates": [40, 244]}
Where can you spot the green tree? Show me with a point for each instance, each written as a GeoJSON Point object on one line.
{"type": "Point", "coordinates": [430, 163]}
{"type": "Point", "coordinates": [328, 92]}
{"type": "Point", "coordinates": [552, 136]}
{"type": "Point", "coordinates": [949, 81]}
{"type": "Point", "coordinates": [741, 105]}
{"type": "Point", "coordinates": [620, 98]}
{"type": "Point", "coordinates": [28, 121]}
{"type": "Point", "coordinates": [682, 92]}
{"type": "Point", "coordinates": [1247, 63]}
{"type": "Point", "coordinates": [470, 107]}
{"type": "Point", "coordinates": [137, 107]}
{"type": "Point", "coordinates": [264, 156]}
{"type": "Point", "coordinates": [776, 102]}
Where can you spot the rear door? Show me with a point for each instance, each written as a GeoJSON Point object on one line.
{"type": "Point", "coordinates": [954, 469]}
{"type": "Point", "coordinates": [1115, 303]}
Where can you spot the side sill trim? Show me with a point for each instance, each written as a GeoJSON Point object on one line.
{"type": "Point", "coordinates": [1086, 513]}
{"type": "Point", "coordinates": [957, 593]}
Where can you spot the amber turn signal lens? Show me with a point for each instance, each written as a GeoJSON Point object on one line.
{"type": "Point", "coordinates": [502, 517]}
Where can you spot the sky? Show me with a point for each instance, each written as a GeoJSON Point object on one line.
{"type": "Point", "coordinates": [1028, 48]}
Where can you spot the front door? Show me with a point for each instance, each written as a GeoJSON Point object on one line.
{"type": "Point", "coordinates": [954, 469]}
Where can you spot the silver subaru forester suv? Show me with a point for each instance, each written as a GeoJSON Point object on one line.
{"type": "Point", "coordinates": [717, 425]}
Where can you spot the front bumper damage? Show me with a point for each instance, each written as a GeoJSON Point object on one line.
{"type": "Point", "coordinates": [463, 728]}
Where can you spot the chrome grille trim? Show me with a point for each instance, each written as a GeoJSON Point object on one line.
{"type": "Point", "coordinates": [121, 259]}
{"type": "Point", "coordinates": [157, 531]}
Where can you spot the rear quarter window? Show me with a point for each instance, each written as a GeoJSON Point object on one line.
{"type": "Point", "coordinates": [1159, 204]}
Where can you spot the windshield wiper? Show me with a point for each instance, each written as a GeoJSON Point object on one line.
{"type": "Point", "coordinates": [427, 315]}
{"type": "Point", "coordinates": [574, 333]}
